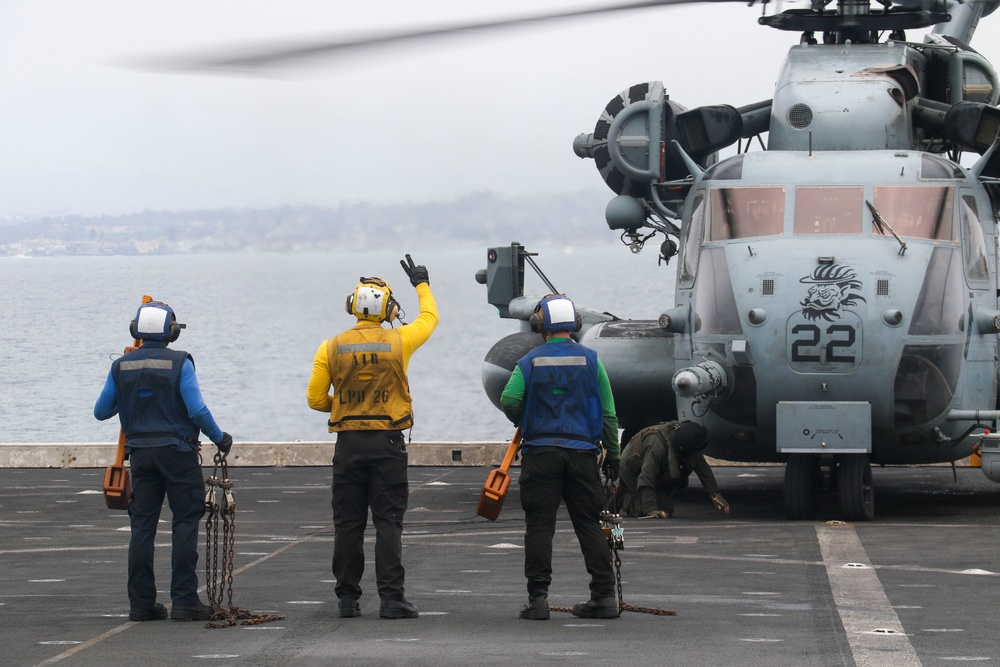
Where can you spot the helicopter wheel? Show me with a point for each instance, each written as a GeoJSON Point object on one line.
{"type": "Point", "coordinates": [854, 487]}
{"type": "Point", "coordinates": [801, 486]}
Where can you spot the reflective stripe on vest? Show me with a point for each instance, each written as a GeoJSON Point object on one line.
{"type": "Point", "coordinates": [559, 361]}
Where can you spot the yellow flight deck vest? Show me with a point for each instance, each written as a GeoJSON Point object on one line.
{"type": "Point", "coordinates": [371, 391]}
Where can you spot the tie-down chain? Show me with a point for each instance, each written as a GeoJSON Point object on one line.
{"type": "Point", "coordinates": [611, 526]}
{"type": "Point", "coordinates": [220, 507]}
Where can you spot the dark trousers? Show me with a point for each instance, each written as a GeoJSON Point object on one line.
{"type": "Point", "coordinates": [157, 472]}
{"type": "Point", "coordinates": [629, 505]}
{"type": "Point", "coordinates": [550, 475]}
{"type": "Point", "coordinates": [369, 471]}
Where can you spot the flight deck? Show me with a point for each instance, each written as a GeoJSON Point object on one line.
{"type": "Point", "coordinates": [915, 587]}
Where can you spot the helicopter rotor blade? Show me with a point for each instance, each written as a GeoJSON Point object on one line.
{"type": "Point", "coordinates": [251, 60]}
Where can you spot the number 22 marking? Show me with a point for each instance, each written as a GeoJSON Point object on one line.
{"type": "Point", "coordinates": [812, 339]}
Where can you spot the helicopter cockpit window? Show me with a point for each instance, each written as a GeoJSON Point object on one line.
{"type": "Point", "coordinates": [936, 168]}
{"type": "Point", "coordinates": [939, 310]}
{"type": "Point", "coordinates": [689, 258]}
{"type": "Point", "coordinates": [830, 210]}
{"type": "Point", "coordinates": [974, 245]}
{"type": "Point", "coordinates": [714, 304]}
{"type": "Point", "coordinates": [727, 170]}
{"type": "Point", "coordinates": [738, 213]}
{"type": "Point", "coordinates": [921, 212]}
{"type": "Point", "coordinates": [925, 382]}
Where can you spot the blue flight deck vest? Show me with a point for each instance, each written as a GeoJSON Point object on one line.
{"type": "Point", "coordinates": [562, 398]}
{"type": "Point", "coordinates": [150, 406]}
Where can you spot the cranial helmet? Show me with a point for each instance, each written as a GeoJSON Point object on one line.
{"type": "Point", "coordinates": [555, 312]}
{"type": "Point", "coordinates": [690, 437]}
{"type": "Point", "coordinates": [372, 300]}
{"type": "Point", "coordinates": [155, 321]}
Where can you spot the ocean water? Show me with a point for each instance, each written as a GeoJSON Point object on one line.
{"type": "Point", "coordinates": [254, 322]}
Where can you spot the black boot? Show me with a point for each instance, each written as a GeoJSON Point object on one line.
{"type": "Point", "coordinates": [192, 612]}
{"type": "Point", "coordinates": [397, 609]}
{"type": "Point", "coordinates": [597, 608]}
{"type": "Point", "coordinates": [348, 608]}
{"type": "Point", "coordinates": [155, 613]}
{"type": "Point", "coordinates": [537, 609]}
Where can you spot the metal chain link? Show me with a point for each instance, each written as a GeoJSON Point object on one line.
{"type": "Point", "coordinates": [211, 526]}
{"type": "Point", "coordinates": [219, 581]}
{"type": "Point", "coordinates": [611, 526]}
{"type": "Point", "coordinates": [616, 546]}
{"type": "Point", "coordinates": [618, 573]}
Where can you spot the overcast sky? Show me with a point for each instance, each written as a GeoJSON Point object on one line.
{"type": "Point", "coordinates": [496, 111]}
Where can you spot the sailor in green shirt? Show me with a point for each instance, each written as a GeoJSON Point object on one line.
{"type": "Point", "coordinates": [511, 400]}
{"type": "Point", "coordinates": [560, 396]}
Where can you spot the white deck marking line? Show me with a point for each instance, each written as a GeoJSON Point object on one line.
{"type": "Point", "coordinates": [87, 644]}
{"type": "Point", "coordinates": [862, 603]}
{"type": "Point", "coordinates": [125, 626]}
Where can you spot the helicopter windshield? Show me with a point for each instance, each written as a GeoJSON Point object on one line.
{"type": "Point", "coordinates": [738, 213]}
{"type": "Point", "coordinates": [828, 210]}
{"type": "Point", "coordinates": [689, 258]}
{"type": "Point", "coordinates": [922, 212]}
{"type": "Point", "coordinates": [975, 245]}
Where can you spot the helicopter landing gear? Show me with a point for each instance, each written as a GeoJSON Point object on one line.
{"type": "Point", "coordinates": [854, 487]}
{"type": "Point", "coordinates": [808, 476]}
{"type": "Point", "coordinates": [802, 486]}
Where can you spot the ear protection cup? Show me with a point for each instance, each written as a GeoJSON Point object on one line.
{"type": "Point", "coordinates": [349, 306]}
{"type": "Point", "coordinates": [391, 309]}
{"type": "Point", "coordinates": [175, 330]}
{"type": "Point", "coordinates": [536, 320]}
{"type": "Point", "coordinates": [131, 330]}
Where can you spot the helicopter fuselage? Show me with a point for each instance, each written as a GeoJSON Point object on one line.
{"type": "Point", "coordinates": [828, 332]}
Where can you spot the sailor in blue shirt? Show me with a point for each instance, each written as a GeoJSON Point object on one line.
{"type": "Point", "coordinates": [155, 393]}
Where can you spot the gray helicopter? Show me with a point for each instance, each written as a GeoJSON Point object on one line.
{"type": "Point", "coordinates": [836, 300]}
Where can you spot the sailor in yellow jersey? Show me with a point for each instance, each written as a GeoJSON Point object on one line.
{"type": "Point", "coordinates": [369, 408]}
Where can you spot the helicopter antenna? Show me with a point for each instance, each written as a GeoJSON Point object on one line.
{"type": "Point", "coordinates": [882, 225]}
{"type": "Point", "coordinates": [527, 257]}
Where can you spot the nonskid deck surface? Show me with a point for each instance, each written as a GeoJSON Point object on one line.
{"type": "Point", "coordinates": [917, 586]}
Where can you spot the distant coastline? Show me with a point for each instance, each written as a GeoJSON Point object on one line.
{"type": "Point", "coordinates": [479, 219]}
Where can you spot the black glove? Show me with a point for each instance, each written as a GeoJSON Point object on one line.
{"type": "Point", "coordinates": [612, 469]}
{"type": "Point", "coordinates": [225, 444]}
{"type": "Point", "coordinates": [417, 273]}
